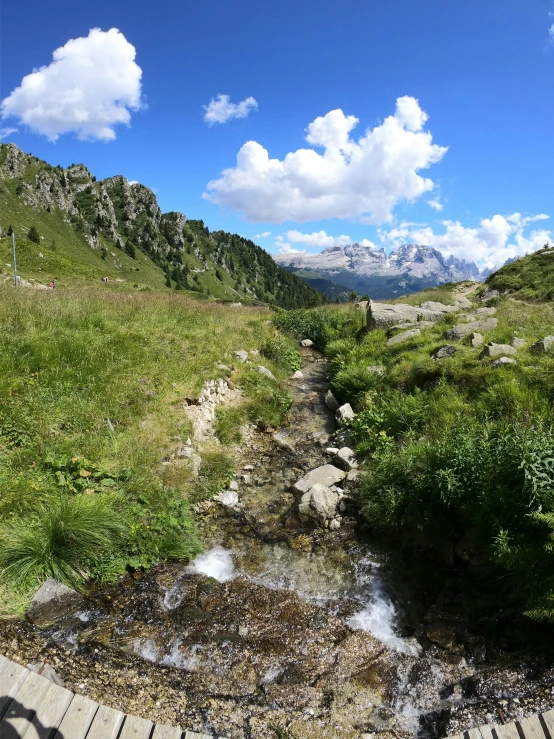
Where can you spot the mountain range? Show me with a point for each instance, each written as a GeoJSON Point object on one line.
{"type": "Point", "coordinates": [368, 270]}
{"type": "Point", "coordinates": [72, 228]}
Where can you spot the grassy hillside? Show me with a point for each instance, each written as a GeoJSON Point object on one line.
{"type": "Point", "coordinates": [529, 278]}
{"type": "Point", "coordinates": [458, 454]}
{"type": "Point", "coordinates": [88, 229]}
{"type": "Point", "coordinates": [93, 389]}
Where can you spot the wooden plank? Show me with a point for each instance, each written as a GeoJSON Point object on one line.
{"type": "Point", "coordinates": [25, 702]}
{"type": "Point", "coordinates": [194, 735]}
{"type": "Point", "coordinates": [162, 731]}
{"type": "Point", "coordinates": [531, 727]}
{"type": "Point", "coordinates": [136, 728]}
{"type": "Point", "coordinates": [486, 731]}
{"type": "Point", "coordinates": [50, 713]}
{"type": "Point", "coordinates": [106, 723]}
{"type": "Point", "coordinates": [548, 719]}
{"type": "Point", "coordinates": [12, 676]}
{"type": "Point", "coordinates": [473, 734]}
{"type": "Point", "coordinates": [506, 731]}
{"type": "Point", "coordinates": [78, 718]}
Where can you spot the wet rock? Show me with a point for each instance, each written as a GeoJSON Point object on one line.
{"type": "Point", "coordinates": [403, 336]}
{"type": "Point", "coordinates": [376, 369]}
{"type": "Point", "coordinates": [241, 355]}
{"type": "Point", "coordinates": [518, 343]}
{"type": "Point", "coordinates": [293, 696]}
{"type": "Point", "coordinates": [52, 601]}
{"type": "Point", "coordinates": [443, 635]}
{"type": "Point", "coordinates": [227, 498]}
{"type": "Point", "coordinates": [319, 504]}
{"type": "Point", "coordinates": [496, 350]}
{"type": "Point", "coordinates": [543, 346]}
{"type": "Point", "coordinates": [463, 329]}
{"type": "Point", "coordinates": [306, 342]}
{"type": "Point", "coordinates": [503, 361]}
{"type": "Point", "coordinates": [327, 475]}
{"type": "Point", "coordinates": [344, 415]}
{"type": "Point", "coordinates": [346, 458]}
{"type": "Point", "coordinates": [476, 339]}
{"type": "Point", "coordinates": [445, 351]}
{"type": "Point", "coordinates": [265, 372]}
{"type": "Point", "coordinates": [297, 375]}
{"type": "Point", "coordinates": [331, 402]}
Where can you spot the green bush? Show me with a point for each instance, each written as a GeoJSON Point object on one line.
{"type": "Point", "coordinates": [319, 324]}
{"type": "Point", "coordinates": [283, 352]}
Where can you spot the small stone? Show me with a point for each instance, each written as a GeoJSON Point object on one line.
{"type": "Point", "coordinates": [517, 343]}
{"type": "Point", "coordinates": [45, 670]}
{"type": "Point", "coordinates": [376, 369]}
{"type": "Point", "coordinates": [331, 402]}
{"type": "Point", "coordinates": [233, 485]}
{"type": "Point", "coordinates": [319, 503]}
{"type": "Point", "coordinates": [543, 346]}
{"type": "Point", "coordinates": [306, 342]}
{"type": "Point", "coordinates": [346, 458]}
{"type": "Point", "coordinates": [227, 498]}
{"type": "Point", "coordinates": [352, 476]}
{"type": "Point", "coordinates": [241, 355]}
{"type": "Point", "coordinates": [476, 339]}
{"type": "Point", "coordinates": [248, 468]}
{"type": "Point", "coordinates": [403, 336]}
{"type": "Point", "coordinates": [297, 375]}
{"type": "Point", "coordinates": [223, 367]}
{"type": "Point", "coordinates": [327, 475]}
{"type": "Point", "coordinates": [332, 450]}
{"type": "Point", "coordinates": [503, 361]}
{"type": "Point", "coordinates": [345, 415]}
{"type": "Point", "coordinates": [246, 479]}
{"type": "Point", "coordinates": [265, 372]}
{"type": "Point", "coordinates": [445, 351]}
{"type": "Point", "coordinates": [496, 350]}
{"type": "Point", "coordinates": [334, 524]}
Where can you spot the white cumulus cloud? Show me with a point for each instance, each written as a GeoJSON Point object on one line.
{"type": "Point", "coordinates": [435, 203]}
{"type": "Point", "coordinates": [263, 235]}
{"type": "Point", "coordinates": [363, 178]}
{"type": "Point", "coordinates": [489, 244]}
{"type": "Point", "coordinates": [319, 239]}
{"type": "Point", "coordinates": [91, 86]}
{"type": "Point", "coordinates": [221, 109]}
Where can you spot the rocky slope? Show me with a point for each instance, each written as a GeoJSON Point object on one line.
{"type": "Point", "coordinates": [105, 224]}
{"type": "Point", "coordinates": [407, 269]}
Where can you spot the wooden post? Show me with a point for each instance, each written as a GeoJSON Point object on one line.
{"type": "Point", "coordinates": [14, 262]}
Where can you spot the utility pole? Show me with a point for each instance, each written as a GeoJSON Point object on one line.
{"type": "Point", "coordinates": [14, 262]}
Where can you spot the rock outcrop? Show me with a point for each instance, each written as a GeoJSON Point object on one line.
{"type": "Point", "coordinates": [52, 601]}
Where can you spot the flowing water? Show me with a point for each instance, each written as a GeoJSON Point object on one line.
{"type": "Point", "coordinates": [276, 627]}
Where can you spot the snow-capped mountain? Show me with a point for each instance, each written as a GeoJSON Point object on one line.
{"type": "Point", "coordinates": [367, 269]}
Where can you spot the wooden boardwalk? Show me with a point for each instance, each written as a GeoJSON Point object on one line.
{"type": "Point", "coordinates": [35, 708]}
{"type": "Point", "coordinates": [539, 726]}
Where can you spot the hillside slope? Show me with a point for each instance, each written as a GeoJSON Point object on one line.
{"type": "Point", "coordinates": [529, 278]}
{"type": "Point", "coordinates": [88, 229]}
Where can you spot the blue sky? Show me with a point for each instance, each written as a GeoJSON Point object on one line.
{"type": "Point", "coordinates": [471, 131]}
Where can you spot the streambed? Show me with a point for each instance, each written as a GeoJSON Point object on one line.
{"type": "Point", "coordinates": [279, 628]}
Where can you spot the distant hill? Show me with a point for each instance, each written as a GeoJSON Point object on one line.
{"type": "Point", "coordinates": [366, 269]}
{"type": "Point", "coordinates": [528, 278]}
{"type": "Point", "coordinates": [87, 229]}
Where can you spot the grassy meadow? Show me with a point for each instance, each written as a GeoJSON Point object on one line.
{"type": "Point", "coordinates": [92, 389]}
{"type": "Point", "coordinates": [458, 455]}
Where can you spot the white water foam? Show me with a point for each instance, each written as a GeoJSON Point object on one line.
{"type": "Point", "coordinates": [217, 563]}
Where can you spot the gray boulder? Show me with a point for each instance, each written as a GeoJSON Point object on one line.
{"type": "Point", "coordinates": [346, 458]}
{"type": "Point", "coordinates": [518, 343]}
{"type": "Point", "coordinates": [404, 336]}
{"type": "Point", "coordinates": [362, 304]}
{"type": "Point", "coordinates": [331, 402]}
{"type": "Point", "coordinates": [327, 474]}
{"type": "Point", "coordinates": [475, 339]}
{"type": "Point", "coordinates": [344, 415]}
{"type": "Point", "coordinates": [385, 315]}
{"type": "Point", "coordinates": [265, 372]}
{"type": "Point", "coordinates": [306, 342]}
{"type": "Point", "coordinates": [463, 329]}
{"type": "Point", "coordinates": [462, 302]}
{"type": "Point", "coordinates": [227, 498]}
{"type": "Point", "coordinates": [418, 324]}
{"type": "Point", "coordinates": [503, 361]}
{"type": "Point", "coordinates": [543, 346]}
{"type": "Point", "coordinates": [376, 369]}
{"type": "Point", "coordinates": [489, 294]}
{"type": "Point", "coordinates": [318, 504]}
{"type": "Point", "coordinates": [241, 355]}
{"type": "Point", "coordinates": [445, 351]}
{"type": "Point", "coordinates": [297, 375]}
{"type": "Point", "coordinates": [52, 601]}
{"type": "Point", "coordinates": [478, 314]}
{"type": "Point", "coordinates": [496, 350]}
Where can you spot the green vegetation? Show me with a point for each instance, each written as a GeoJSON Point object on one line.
{"type": "Point", "coordinates": [92, 400]}
{"type": "Point", "coordinates": [530, 278]}
{"type": "Point", "coordinates": [455, 449]}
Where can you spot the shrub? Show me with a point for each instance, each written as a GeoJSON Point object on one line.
{"type": "Point", "coordinates": [283, 352]}
{"type": "Point", "coordinates": [33, 235]}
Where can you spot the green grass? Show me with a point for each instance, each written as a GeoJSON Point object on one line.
{"type": "Point", "coordinates": [92, 394]}
{"type": "Point", "coordinates": [530, 278]}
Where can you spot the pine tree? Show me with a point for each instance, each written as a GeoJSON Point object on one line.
{"type": "Point", "coordinates": [10, 230]}
{"type": "Point", "coordinates": [130, 249]}
{"type": "Point", "coordinates": [33, 235]}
